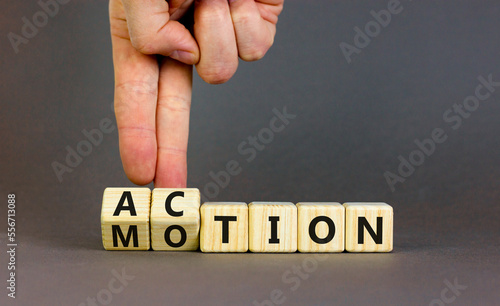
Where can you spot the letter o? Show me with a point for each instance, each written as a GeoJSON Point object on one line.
{"type": "Point", "coordinates": [370, 25]}
{"type": "Point", "coordinates": [313, 262]}
{"type": "Point", "coordinates": [104, 300]}
{"type": "Point", "coordinates": [214, 187]}
{"type": "Point", "coordinates": [40, 23]}
{"type": "Point", "coordinates": [331, 229]}
{"type": "Point", "coordinates": [169, 241]}
{"type": "Point", "coordinates": [413, 160]}
{"type": "Point", "coordinates": [471, 107]}
{"type": "Point", "coordinates": [80, 148]}
{"type": "Point", "coordinates": [436, 302]}
{"type": "Point", "coordinates": [269, 133]}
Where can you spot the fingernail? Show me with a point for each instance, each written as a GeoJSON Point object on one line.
{"type": "Point", "coordinates": [183, 56]}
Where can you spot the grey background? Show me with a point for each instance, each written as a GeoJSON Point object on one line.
{"type": "Point", "coordinates": [353, 121]}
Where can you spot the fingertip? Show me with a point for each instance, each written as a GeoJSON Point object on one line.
{"type": "Point", "coordinates": [171, 172]}
{"type": "Point", "coordinates": [255, 54]}
{"type": "Point", "coordinates": [217, 74]}
{"type": "Point", "coordinates": [139, 180]}
{"type": "Point", "coordinates": [186, 57]}
{"type": "Point", "coordinates": [139, 160]}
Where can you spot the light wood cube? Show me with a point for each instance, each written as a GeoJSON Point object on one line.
{"type": "Point", "coordinates": [320, 227]}
{"type": "Point", "coordinates": [369, 227]}
{"type": "Point", "coordinates": [272, 227]}
{"type": "Point", "coordinates": [175, 219]}
{"type": "Point", "coordinates": [125, 218]}
{"type": "Point", "coordinates": [224, 227]}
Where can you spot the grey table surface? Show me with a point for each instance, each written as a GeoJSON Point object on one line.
{"type": "Point", "coordinates": [353, 121]}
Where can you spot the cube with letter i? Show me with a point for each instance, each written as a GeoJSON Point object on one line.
{"type": "Point", "coordinates": [320, 227]}
{"type": "Point", "coordinates": [272, 227]}
{"type": "Point", "coordinates": [224, 227]}
{"type": "Point", "coordinates": [175, 219]}
{"type": "Point", "coordinates": [369, 227]}
{"type": "Point", "coordinates": [125, 218]}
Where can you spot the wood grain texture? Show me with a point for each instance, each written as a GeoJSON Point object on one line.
{"type": "Point", "coordinates": [370, 211]}
{"type": "Point", "coordinates": [329, 233]}
{"type": "Point", "coordinates": [213, 232]}
{"type": "Point", "coordinates": [260, 227]}
{"type": "Point", "coordinates": [182, 231]}
{"type": "Point", "coordinates": [141, 199]}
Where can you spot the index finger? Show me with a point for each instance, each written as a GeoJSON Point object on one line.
{"type": "Point", "coordinates": [136, 86]}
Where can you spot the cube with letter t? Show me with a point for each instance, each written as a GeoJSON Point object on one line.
{"type": "Point", "coordinates": [368, 227]}
{"type": "Point", "coordinates": [125, 218]}
{"type": "Point", "coordinates": [224, 227]}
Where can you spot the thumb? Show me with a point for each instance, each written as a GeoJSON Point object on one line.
{"type": "Point", "coordinates": [153, 32]}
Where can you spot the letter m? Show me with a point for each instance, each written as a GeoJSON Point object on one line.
{"type": "Point", "coordinates": [132, 232]}
{"type": "Point", "coordinates": [363, 223]}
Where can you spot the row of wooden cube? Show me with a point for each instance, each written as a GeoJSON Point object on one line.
{"type": "Point", "coordinates": [172, 220]}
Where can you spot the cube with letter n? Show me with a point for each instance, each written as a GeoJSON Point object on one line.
{"type": "Point", "coordinates": [125, 218]}
{"type": "Point", "coordinates": [369, 227]}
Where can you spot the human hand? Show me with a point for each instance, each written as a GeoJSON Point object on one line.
{"type": "Point", "coordinates": [153, 97]}
{"type": "Point", "coordinates": [225, 30]}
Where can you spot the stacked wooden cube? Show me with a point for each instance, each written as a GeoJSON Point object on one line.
{"type": "Point", "coordinates": [173, 220]}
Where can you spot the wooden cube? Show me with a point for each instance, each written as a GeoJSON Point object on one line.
{"type": "Point", "coordinates": [175, 219]}
{"type": "Point", "coordinates": [320, 227]}
{"type": "Point", "coordinates": [125, 218]}
{"type": "Point", "coordinates": [224, 227]}
{"type": "Point", "coordinates": [369, 227]}
{"type": "Point", "coordinates": [272, 227]}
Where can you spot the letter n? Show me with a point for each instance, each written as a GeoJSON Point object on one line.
{"type": "Point", "coordinates": [363, 223]}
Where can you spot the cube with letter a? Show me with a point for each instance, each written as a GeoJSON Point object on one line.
{"type": "Point", "coordinates": [369, 227]}
{"type": "Point", "coordinates": [125, 218]}
{"type": "Point", "coordinates": [175, 219]}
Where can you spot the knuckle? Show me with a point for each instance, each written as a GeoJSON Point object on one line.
{"type": "Point", "coordinates": [143, 44]}
{"type": "Point", "coordinates": [174, 103]}
{"type": "Point", "coordinates": [215, 12]}
{"type": "Point", "coordinates": [172, 150]}
{"type": "Point", "coordinates": [244, 19]}
{"type": "Point", "coordinates": [130, 95]}
{"type": "Point", "coordinates": [138, 88]}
